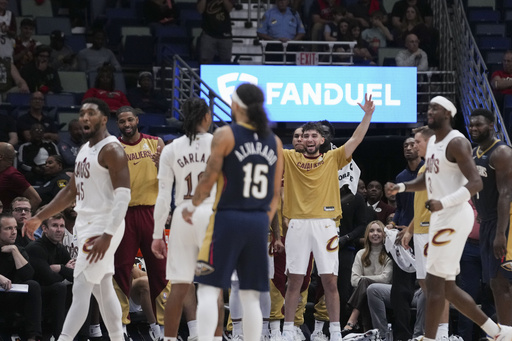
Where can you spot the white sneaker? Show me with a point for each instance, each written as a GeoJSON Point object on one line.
{"type": "Point", "coordinates": [319, 336]}
{"type": "Point", "coordinates": [505, 334]}
{"type": "Point", "coordinates": [276, 337]}
{"type": "Point", "coordinates": [289, 335]}
{"type": "Point", "coordinates": [193, 338]}
{"type": "Point", "coordinates": [237, 338]}
{"type": "Point", "coordinates": [455, 338]}
{"type": "Point", "coordinates": [299, 335]}
{"type": "Point", "coordinates": [265, 337]}
{"type": "Point", "coordinates": [152, 335]}
{"type": "Point", "coordinates": [336, 336]}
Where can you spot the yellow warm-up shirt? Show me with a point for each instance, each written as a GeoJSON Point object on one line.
{"type": "Point", "coordinates": [143, 171]}
{"type": "Point", "coordinates": [311, 187]}
{"type": "Point", "coordinates": [421, 214]}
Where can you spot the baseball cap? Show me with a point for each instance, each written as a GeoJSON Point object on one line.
{"type": "Point", "coordinates": [57, 34]}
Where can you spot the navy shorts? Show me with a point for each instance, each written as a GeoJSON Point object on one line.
{"type": "Point", "coordinates": [491, 265]}
{"type": "Point", "coordinates": [238, 242]}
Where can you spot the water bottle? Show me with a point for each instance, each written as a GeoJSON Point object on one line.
{"type": "Point", "coordinates": [389, 333]}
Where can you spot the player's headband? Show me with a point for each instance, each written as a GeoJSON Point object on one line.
{"type": "Point", "coordinates": [237, 100]}
{"type": "Point", "coordinates": [445, 103]}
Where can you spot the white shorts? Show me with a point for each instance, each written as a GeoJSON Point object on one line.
{"type": "Point", "coordinates": [449, 230]}
{"type": "Point", "coordinates": [95, 272]}
{"type": "Point", "coordinates": [312, 235]}
{"type": "Point", "coordinates": [185, 240]}
{"type": "Point", "coordinates": [420, 254]}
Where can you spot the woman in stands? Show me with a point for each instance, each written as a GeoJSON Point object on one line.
{"type": "Point", "coordinates": [104, 89]}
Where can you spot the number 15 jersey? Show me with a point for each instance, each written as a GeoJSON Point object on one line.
{"type": "Point", "coordinates": [185, 162]}
{"type": "Point", "coordinates": [247, 180]}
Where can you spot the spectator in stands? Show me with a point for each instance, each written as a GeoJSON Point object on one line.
{"type": "Point", "coordinates": [104, 89]}
{"type": "Point", "coordinates": [361, 189]}
{"type": "Point", "coordinates": [338, 27]}
{"type": "Point", "coordinates": [36, 114]}
{"type": "Point", "coordinates": [371, 265]}
{"type": "Point", "coordinates": [323, 13]}
{"type": "Point", "coordinates": [25, 45]}
{"type": "Point", "coordinates": [216, 38]}
{"type": "Point", "coordinates": [55, 179]}
{"type": "Point", "coordinates": [15, 269]}
{"type": "Point", "coordinates": [400, 8]}
{"type": "Point", "coordinates": [70, 144]}
{"type": "Point", "coordinates": [145, 98]}
{"type": "Point", "coordinates": [412, 55]}
{"type": "Point", "coordinates": [412, 22]}
{"type": "Point", "coordinates": [374, 199]}
{"type": "Point", "coordinates": [283, 24]}
{"type": "Point", "coordinates": [363, 9]}
{"type": "Point", "coordinates": [39, 75]}
{"type": "Point", "coordinates": [8, 131]}
{"type": "Point", "coordinates": [161, 11]}
{"type": "Point", "coordinates": [362, 54]}
{"type": "Point", "coordinates": [378, 34]}
{"type": "Point", "coordinates": [32, 155]}
{"type": "Point", "coordinates": [501, 80]}
{"type": "Point", "coordinates": [10, 79]}
{"type": "Point", "coordinates": [62, 57]}
{"type": "Point", "coordinates": [7, 30]}
{"type": "Point", "coordinates": [21, 211]}
{"type": "Point", "coordinates": [52, 265]}
{"type": "Point", "coordinates": [96, 56]}
{"type": "Point", "coordinates": [12, 182]}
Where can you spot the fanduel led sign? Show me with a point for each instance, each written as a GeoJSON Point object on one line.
{"type": "Point", "coordinates": [308, 93]}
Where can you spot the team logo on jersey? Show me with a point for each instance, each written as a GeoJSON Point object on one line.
{"type": "Point", "coordinates": [328, 208]}
{"type": "Point", "coordinates": [437, 240]}
{"type": "Point", "coordinates": [203, 268]}
{"type": "Point", "coordinates": [87, 248]}
{"type": "Point", "coordinates": [432, 164]}
{"type": "Point", "coordinates": [235, 79]}
{"type": "Point", "coordinates": [425, 250]}
{"type": "Point", "coordinates": [507, 265]}
{"type": "Point", "coordinates": [332, 244]}
{"type": "Point", "coordinates": [82, 169]}
{"type": "Point", "coordinates": [145, 146]}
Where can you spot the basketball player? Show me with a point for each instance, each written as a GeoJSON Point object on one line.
{"type": "Point", "coordinates": [246, 162]}
{"type": "Point", "coordinates": [493, 160]}
{"type": "Point", "coordinates": [312, 227]}
{"type": "Point", "coordinates": [184, 160]}
{"type": "Point", "coordinates": [101, 187]}
{"type": "Point", "coordinates": [450, 179]}
{"type": "Point", "coordinates": [143, 152]}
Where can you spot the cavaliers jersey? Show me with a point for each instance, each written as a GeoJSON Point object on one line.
{"type": "Point", "coordinates": [421, 214]}
{"type": "Point", "coordinates": [486, 201]}
{"type": "Point", "coordinates": [442, 176]}
{"type": "Point", "coordinates": [311, 187]}
{"type": "Point", "coordinates": [143, 171]}
{"type": "Point", "coordinates": [94, 190]}
{"type": "Point", "coordinates": [186, 162]}
{"type": "Point", "coordinates": [248, 171]}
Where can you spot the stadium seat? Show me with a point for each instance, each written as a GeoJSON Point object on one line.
{"type": "Point", "coordinates": [18, 99]}
{"type": "Point", "coordinates": [60, 100]}
{"type": "Point", "coordinates": [45, 25]}
{"type": "Point", "coordinates": [138, 51]}
{"type": "Point", "coordinates": [148, 120]}
{"type": "Point", "coordinates": [134, 31]}
{"type": "Point", "coordinates": [477, 14]}
{"type": "Point", "coordinates": [43, 39]}
{"type": "Point", "coordinates": [387, 52]}
{"type": "Point", "coordinates": [77, 42]}
{"type": "Point", "coordinates": [485, 29]}
{"type": "Point", "coordinates": [73, 81]}
{"type": "Point", "coordinates": [31, 8]}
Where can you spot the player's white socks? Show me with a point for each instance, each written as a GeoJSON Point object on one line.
{"type": "Point", "coordinates": [155, 328]}
{"type": "Point", "coordinates": [275, 327]}
{"type": "Point", "coordinates": [319, 326]}
{"type": "Point", "coordinates": [442, 330]}
{"type": "Point", "coordinates": [237, 327]}
{"type": "Point", "coordinates": [335, 331]}
{"type": "Point", "coordinates": [217, 338]}
{"type": "Point", "coordinates": [192, 328]}
{"type": "Point", "coordinates": [207, 311]}
{"type": "Point", "coordinates": [95, 330]}
{"type": "Point", "coordinates": [264, 328]}
{"type": "Point", "coordinates": [235, 307]}
{"type": "Point", "coordinates": [253, 319]}
{"type": "Point", "coordinates": [125, 330]}
{"type": "Point", "coordinates": [110, 308]}
{"type": "Point", "coordinates": [490, 328]}
{"type": "Point", "coordinates": [265, 304]}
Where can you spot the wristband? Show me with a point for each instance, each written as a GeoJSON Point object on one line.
{"type": "Point", "coordinates": [401, 187]}
{"type": "Point", "coordinates": [190, 207]}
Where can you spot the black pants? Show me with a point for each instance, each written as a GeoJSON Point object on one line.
{"type": "Point", "coordinates": [54, 309]}
{"type": "Point", "coordinates": [27, 304]}
{"type": "Point", "coordinates": [402, 291]}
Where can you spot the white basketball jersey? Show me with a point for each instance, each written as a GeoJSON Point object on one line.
{"type": "Point", "coordinates": [95, 193]}
{"type": "Point", "coordinates": [442, 177]}
{"type": "Point", "coordinates": [185, 162]}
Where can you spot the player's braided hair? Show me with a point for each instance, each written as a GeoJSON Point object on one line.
{"type": "Point", "coordinates": [194, 110]}
{"type": "Point", "coordinates": [253, 97]}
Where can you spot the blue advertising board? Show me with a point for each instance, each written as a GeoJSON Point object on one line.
{"type": "Point", "coordinates": [308, 93]}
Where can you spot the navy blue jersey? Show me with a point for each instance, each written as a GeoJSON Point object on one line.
{"type": "Point", "coordinates": [486, 201]}
{"type": "Point", "coordinates": [248, 172]}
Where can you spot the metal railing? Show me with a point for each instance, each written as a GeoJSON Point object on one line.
{"type": "Point", "coordinates": [329, 52]}
{"type": "Point", "coordinates": [435, 83]}
{"type": "Point", "coordinates": [472, 73]}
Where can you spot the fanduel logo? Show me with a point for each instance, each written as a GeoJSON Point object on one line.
{"type": "Point", "coordinates": [234, 79]}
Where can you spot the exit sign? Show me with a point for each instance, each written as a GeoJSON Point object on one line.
{"type": "Point", "coordinates": [307, 58]}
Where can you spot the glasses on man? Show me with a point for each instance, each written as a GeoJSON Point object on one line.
{"type": "Point", "coordinates": [21, 209]}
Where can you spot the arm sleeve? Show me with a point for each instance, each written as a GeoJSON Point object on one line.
{"type": "Point", "coordinates": [165, 183]}
{"type": "Point", "coordinates": [121, 200]}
